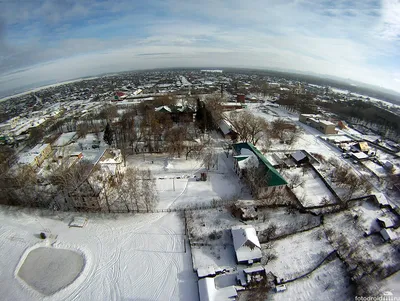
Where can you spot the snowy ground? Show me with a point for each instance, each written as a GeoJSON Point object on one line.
{"type": "Point", "coordinates": [311, 248]}
{"type": "Point", "coordinates": [177, 186]}
{"type": "Point", "coordinates": [329, 282]}
{"type": "Point", "coordinates": [140, 257]}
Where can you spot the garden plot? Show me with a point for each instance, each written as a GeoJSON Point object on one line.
{"type": "Point", "coordinates": [347, 235]}
{"type": "Point", "coordinates": [366, 213]}
{"type": "Point", "coordinates": [329, 282]}
{"type": "Point", "coordinates": [283, 221]}
{"type": "Point", "coordinates": [309, 189]}
{"type": "Point", "coordinates": [139, 257]}
{"type": "Point", "coordinates": [211, 236]}
{"type": "Point", "coordinates": [211, 239]}
{"type": "Point", "coordinates": [297, 254]}
{"type": "Point", "coordinates": [177, 185]}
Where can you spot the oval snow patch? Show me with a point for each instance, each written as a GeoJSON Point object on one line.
{"type": "Point", "coordinates": [47, 270]}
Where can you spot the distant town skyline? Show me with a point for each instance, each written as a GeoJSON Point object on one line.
{"type": "Point", "coordinates": [61, 40]}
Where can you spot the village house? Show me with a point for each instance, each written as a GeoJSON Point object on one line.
{"type": "Point", "coordinates": [178, 114]}
{"type": "Point", "coordinates": [246, 244]}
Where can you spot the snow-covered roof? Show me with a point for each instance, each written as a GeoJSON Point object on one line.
{"type": "Point", "coordinates": [250, 162]}
{"type": "Point", "coordinates": [246, 243]}
{"type": "Point", "coordinates": [64, 139]}
{"type": "Point", "coordinates": [225, 126]}
{"type": "Point", "coordinates": [38, 148]}
{"type": "Point", "coordinates": [26, 158]}
{"type": "Point", "coordinates": [388, 234]}
{"type": "Point", "coordinates": [208, 291]}
{"type": "Point", "coordinates": [253, 269]}
{"type": "Point", "coordinates": [206, 271]}
{"type": "Point", "coordinates": [388, 222]}
{"type": "Point", "coordinates": [380, 197]}
{"type": "Point", "coordinates": [298, 156]}
{"type": "Point", "coordinates": [163, 108]}
{"type": "Point", "coordinates": [360, 155]}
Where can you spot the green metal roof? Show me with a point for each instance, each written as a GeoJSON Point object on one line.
{"type": "Point", "coordinates": [272, 176]}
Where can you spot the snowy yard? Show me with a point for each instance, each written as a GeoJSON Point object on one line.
{"type": "Point", "coordinates": [211, 236]}
{"type": "Point", "coordinates": [177, 186]}
{"type": "Point", "coordinates": [329, 282]}
{"type": "Point", "coordinates": [139, 257]}
{"type": "Point", "coordinates": [310, 190]}
{"type": "Point", "coordinates": [298, 254]}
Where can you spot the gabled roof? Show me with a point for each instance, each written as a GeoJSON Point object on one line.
{"type": "Point", "coordinates": [388, 222]}
{"type": "Point", "coordinates": [246, 243]}
{"type": "Point", "coordinates": [272, 176]}
{"type": "Point", "coordinates": [163, 109]}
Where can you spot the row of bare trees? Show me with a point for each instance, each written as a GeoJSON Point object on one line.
{"type": "Point", "coordinates": [137, 191]}
{"type": "Point", "coordinates": [344, 177]}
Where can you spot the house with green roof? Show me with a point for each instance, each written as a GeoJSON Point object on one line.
{"type": "Point", "coordinates": [251, 164]}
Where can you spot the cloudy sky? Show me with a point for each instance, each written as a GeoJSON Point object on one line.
{"type": "Point", "coordinates": [64, 39]}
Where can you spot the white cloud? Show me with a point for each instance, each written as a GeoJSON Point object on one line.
{"type": "Point", "coordinates": [390, 23]}
{"type": "Point", "coordinates": [349, 39]}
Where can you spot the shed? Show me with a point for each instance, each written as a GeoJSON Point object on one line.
{"type": "Point", "coordinates": [280, 288]}
{"type": "Point", "coordinates": [299, 157]}
{"type": "Point", "coordinates": [208, 291]}
{"type": "Point", "coordinates": [246, 244]}
{"type": "Point", "coordinates": [255, 274]}
{"type": "Point", "coordinates": [360, 156]}
{"type": "Point", "coordinates": [386, 222]}
{"type": "Point", "coordinates": [388, 234]}
{"type": "Point", "coordinates": [381, 199]}
{"type": "Point", "coordinates": [362, 146]}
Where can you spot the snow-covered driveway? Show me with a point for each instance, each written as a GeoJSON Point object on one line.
{"type": "Point", "coordinates": [139, 257]}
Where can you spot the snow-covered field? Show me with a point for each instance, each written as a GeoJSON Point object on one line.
{"type": "Point", "coordinates": [127, 257]}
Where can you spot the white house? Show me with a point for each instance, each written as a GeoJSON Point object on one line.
{"type": "Point", "coordinates": [246, 244]}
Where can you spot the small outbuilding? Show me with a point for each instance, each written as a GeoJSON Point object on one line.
{"type": "Point", "coordinates": [385, 222]}
{"type": "Point", "coordinates": [388, 234]}
{"type": "Point", "coordinates": [299, 157]}
{"type": "Point", "coordinates": [208, 291]}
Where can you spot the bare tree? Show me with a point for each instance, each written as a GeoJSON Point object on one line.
{"type": "Point", "coordinates": [175, 138]}
{"type": "Point", "coordinates": [210, 158]}
{"type": "Point", "coordinates": [148, 190]}
{"type": "Point", "coordinates": [129, 189]}
{"type": "Point", "coordinates": [295, 180]}
{"type": "Point", "coordinates": [249, 127]}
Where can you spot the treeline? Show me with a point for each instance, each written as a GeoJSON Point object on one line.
{"type": "Point", "coordinates": [365, 111]}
